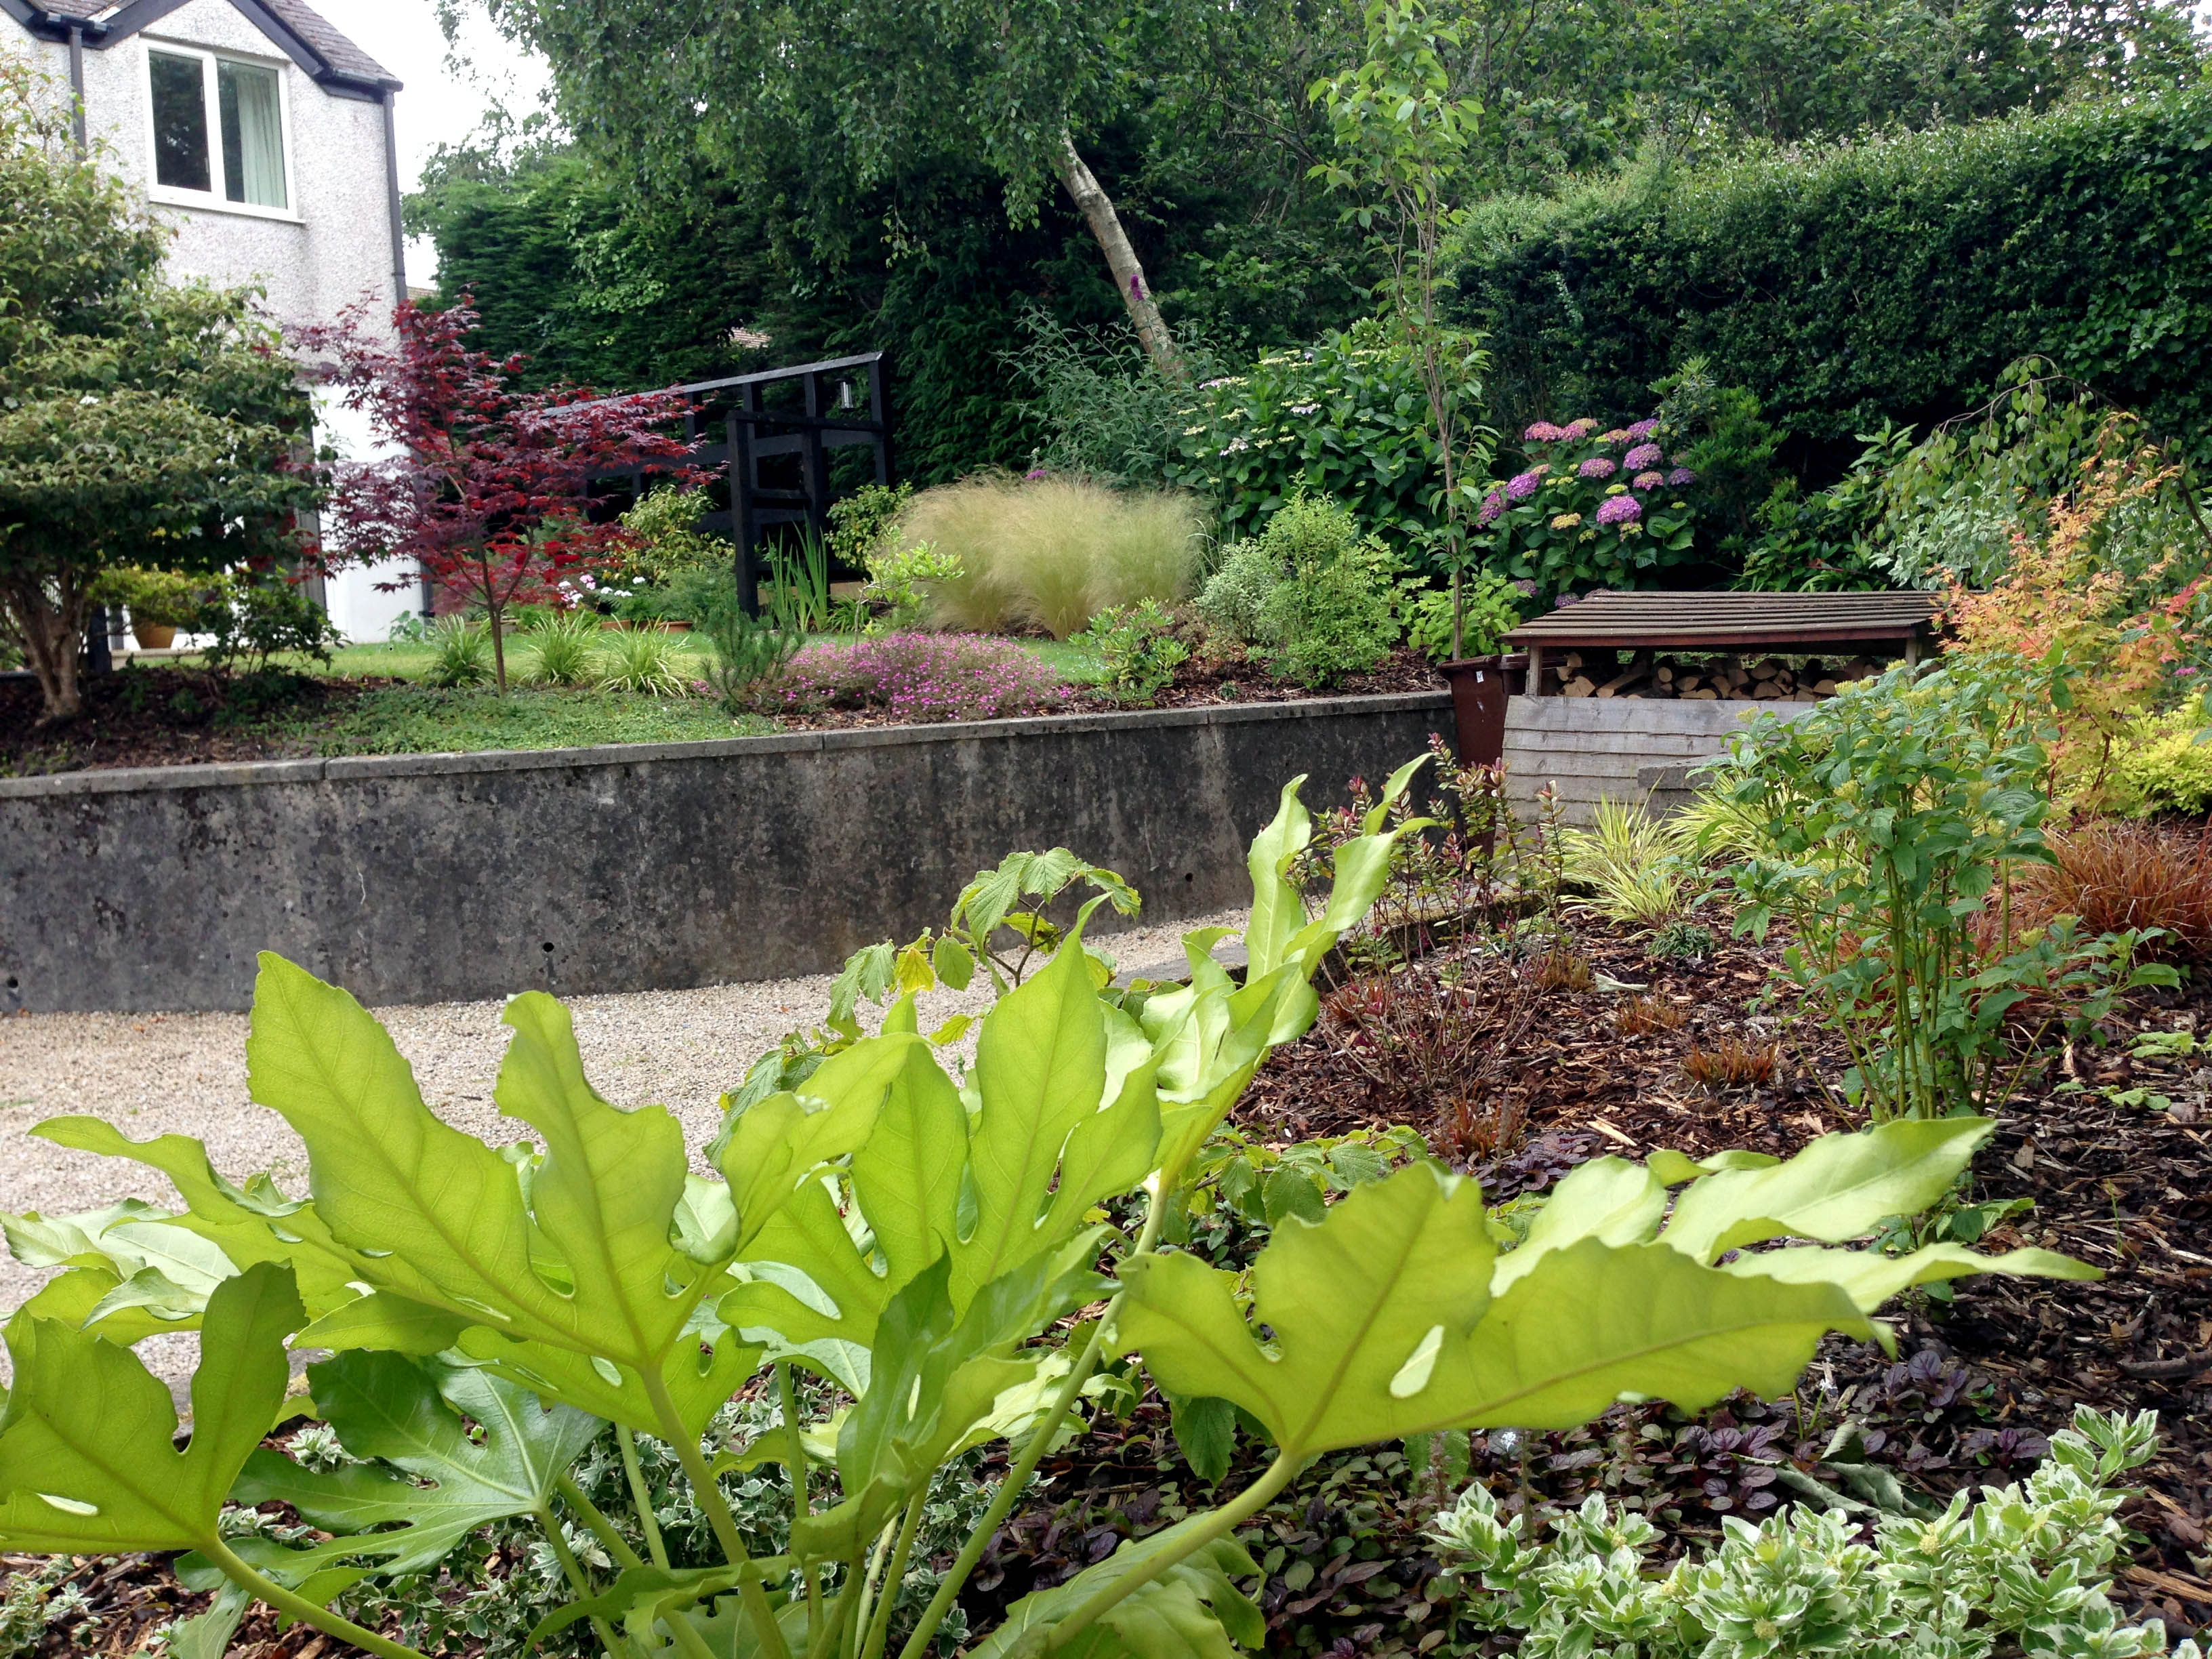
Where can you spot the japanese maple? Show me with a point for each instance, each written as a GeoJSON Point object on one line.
{"type": "Point", "coordinates": [487, 484]}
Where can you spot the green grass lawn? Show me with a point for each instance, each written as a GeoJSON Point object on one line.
{"type": "Point", "coordinates": [420, 719]}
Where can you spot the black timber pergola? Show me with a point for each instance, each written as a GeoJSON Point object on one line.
{"type": "Point", "coordinates": [733, 428]}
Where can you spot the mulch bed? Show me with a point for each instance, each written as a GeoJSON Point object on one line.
{"type": "Point", "coordinates": [163, 717]}
{"type": "Point", "coordinates": [1211, 680]}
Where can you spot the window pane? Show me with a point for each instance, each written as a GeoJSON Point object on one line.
{"type": "Point", "coordinates": [180, 125]}
{"type": "Point", "coordinates": [252, 134]}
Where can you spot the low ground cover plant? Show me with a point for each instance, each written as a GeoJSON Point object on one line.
{"type": "Point", "coordinates": [922, 678]}
{"type": "Point", "coordinates": [915, 1240]}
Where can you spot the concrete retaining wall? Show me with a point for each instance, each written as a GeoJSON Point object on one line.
{"type": "Point", "coordinates": [429, 878]}
{"type": "Point", "coordinates": [1596, 749]}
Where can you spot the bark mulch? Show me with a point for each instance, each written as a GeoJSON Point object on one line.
{"type": "Point", "coordinates": [164, 717]}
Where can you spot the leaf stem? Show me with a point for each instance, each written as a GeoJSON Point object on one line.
{"type": "Point", "coordinates": [299, 1607]}
{"type": "Point", "coordinates": [864, 1589]}
{"type": "Point", "coordinates": [1040, 1441]}
{"type": "Point", "coordinates": [879, 1627]}
{"type": "Point", "coordinates": [573, 1571]}
{"type": "Point", "coordinates": [707, 1494]}
{"type": "Point", "coordinates": [1224, 1521]}
{"type": "Point", "coordinates": [795, 1463]}
{"type": "Point", "coordinates": [593, 1517]}
{"type": "Point", "coordinates": [641, 1496]}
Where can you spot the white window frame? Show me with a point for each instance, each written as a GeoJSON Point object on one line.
{"type": "Point", "coordinates": [212, 200]}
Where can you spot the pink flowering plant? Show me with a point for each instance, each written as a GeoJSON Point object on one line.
{"type": "Point", "coordinates": [1591, 508]}
{"type": "Point", "coordinates": [917, 678]}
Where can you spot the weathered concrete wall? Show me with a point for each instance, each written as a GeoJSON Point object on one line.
{"type": "Point", "coordinates": [1596, 749]}
{"type": "Point", "coordinates": [426, 877]}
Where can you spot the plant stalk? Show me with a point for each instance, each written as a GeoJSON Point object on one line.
{"type": "Point", "coordinates": [573, 1571]}
{"type": "Point", "coordinates": [602, 1529]}
{"type": "Point", "coordinates": [641, 1496]}
{"type": "Point", "coordinates": [795, 1459]}
{"type": "Point", "coordinates": [708, 1495]}
{"type": "Point", "coordinates": [879, 1626]}
{"type": "Point", "coordinates": [298, 1607]}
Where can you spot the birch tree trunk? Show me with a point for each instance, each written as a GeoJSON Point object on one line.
{"type": "Point", "coordinates": [1097, 210]}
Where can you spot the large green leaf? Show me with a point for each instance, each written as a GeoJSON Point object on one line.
{"type": "Point", "coordinates": [1839, 1187]}
{"type": "Point", "coordinates": [565, 1266]}
{"type": "Point", "coordinates": [88, 1459]}
{"type": "Point", "coordinates": [1607, 1198]}
{"type": "Point", "coordinates": [1870, 1279]}
{"type": "Point", "coordinates": [1383, 1325]}
{"type": "Point", "coordinates": [776, 1143]}
{"type": "Point", "coordinates": [432, 1483]}
{"type": "Point", "coordinates": [1193, 1610]}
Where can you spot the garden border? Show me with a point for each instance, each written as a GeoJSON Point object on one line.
{"type": "Point", "coordinates": [449, 877]}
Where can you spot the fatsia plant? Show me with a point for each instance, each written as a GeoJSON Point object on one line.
{"type": "Point", "coordinates": [918, 1238]}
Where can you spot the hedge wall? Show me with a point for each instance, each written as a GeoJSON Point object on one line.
{"type": "Point", "coordinates": [1892, 277]}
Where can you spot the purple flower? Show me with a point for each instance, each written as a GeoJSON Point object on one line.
{"type": "Point", "coordinates": [1597, 467]}
{"type": "Point", "coordinates": [1618, 435]}
{"type": "Point", "coordinates": [920, 677]}
{"type": "Point", "coordinates": [1492, 505]}
{"type": "Point", "coordinates": [1524, 588]}
{"type": "Point", "coordinates": [1681, 474]}
{"type": "Point", "coordinates": [1521, 485]}
{"type": "Point", "coordinates": [1641, 457]}
{"type": "Point", "coordinates": [1649, 480]}
{"type": "Point", "coordinates": [1619, 509]}
{"type": "Point", "coordinates": [1543, 433]}
{"type": "Point", "coordinates": [1580, 428]}
{"type": "Point", "coordinates": [1643, 430]}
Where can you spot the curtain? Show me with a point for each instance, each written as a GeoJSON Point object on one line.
{"type": "Point", "coordinates": [252, 135]}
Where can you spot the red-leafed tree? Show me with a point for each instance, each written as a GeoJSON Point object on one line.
{"type": "Point", "coordinates": [487, 485]}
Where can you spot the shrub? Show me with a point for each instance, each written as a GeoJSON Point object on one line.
{"type": "Point", "coordinates": [1331, 620]}
{"type": "Point", "coordinates": [2160, 763]}
{"type": "Point", "coordinates": [645, 659]}
{"type": "Point", "coordinates": [254, 617]}
{"type": "Point", "coordinates": [1233, 595]}
{"type": "Point", "coordinates": [1347, 419]}
{"type": "Point", "coordinates": [919, 677]}
{"type": "Point", "coordinates": [1052, 552]}
{"type": "Point", "coordinates": [749, 652]}
{"type": "Point", "coordinates": [166, 599]}
{"type": "Point", "coordinates": [897, 594]}
{"type": "Point", "coordinates": [1492, 607]}
{"type": "Point", "coordinates": [2118, 878]}
{"type": "Point", "coordinates": [563, 646]}
{"type": "Point", "coordinates": [2022, 1568]}
{"type": "Point", "coordinates": [1895, 277]}
{"type": "Point", "coordinates": [665, 536]}
{"type": "Point", "coordinates": [1137, 646]}
{"type": "Point", "coordinates": [460, 653]}
{"type": "Point", "coordinates": [1107, 411]}
{"type": "Point", "coordinates": [1589, 508]}
{"type": "Point", "coordinates": [866, 525]}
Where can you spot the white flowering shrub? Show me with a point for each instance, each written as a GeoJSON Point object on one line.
{"type": "Point", "coordinates": [2024, 1569]}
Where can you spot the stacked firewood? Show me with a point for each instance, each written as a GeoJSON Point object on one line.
{"type": "Point", "coordinates": [1723, 679]}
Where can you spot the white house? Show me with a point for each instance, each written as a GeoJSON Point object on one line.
{"type": "Point", "coordinates": [265, 139]}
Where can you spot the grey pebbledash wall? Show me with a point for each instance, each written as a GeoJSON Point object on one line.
{"type": "Point", "coordinates": [429, 878]}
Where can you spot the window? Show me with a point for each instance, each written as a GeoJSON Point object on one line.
{"type": "Point", "coordinates": [218, 115]}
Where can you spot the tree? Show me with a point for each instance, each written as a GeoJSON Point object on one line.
{"type": "Point", "coordinates": [140, 423]}
{"type": "Point", "coordinates": [488, 485]}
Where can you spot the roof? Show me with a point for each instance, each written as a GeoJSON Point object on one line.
{"type": "Point", "coordinates": [308, 37]}
{"type": "Point", "coordinates": [1695, 620]}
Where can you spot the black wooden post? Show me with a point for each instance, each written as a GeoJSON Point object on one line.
{"type": "Point", "coordinates": [879, 410]}
{"type": "Point", "coordinates": [818, 460]}
{"type": "Point", "coordinates": [744, 528]}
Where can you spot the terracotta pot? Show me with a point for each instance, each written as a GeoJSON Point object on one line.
{"type": "Point", "coordinates": [1480, 687]}
{"type": "Point", "coordinates": [154, 636]}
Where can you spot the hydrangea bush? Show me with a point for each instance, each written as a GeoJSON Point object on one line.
{"type": "Point", "coordinates": [2023, 1570]}
{"type": "Point", "coordinates": [918, 678]}
{"type": "Point", "coordinates": [1591, 508]}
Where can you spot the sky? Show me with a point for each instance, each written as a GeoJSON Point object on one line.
{"type": "Point", "coordinates": [443, 101]}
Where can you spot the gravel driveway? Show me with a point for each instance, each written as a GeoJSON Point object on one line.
{"type": "Point", "coordinates": [154, 1074]}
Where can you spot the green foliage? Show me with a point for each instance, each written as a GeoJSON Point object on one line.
{"type": "Point", "coordinates": [564, 648]}
{"type": "Point", "coordinates": [1679, 940]}
{"type": "Point", "coordinates": [256, 616]}
{"type": "Point", "coordinates": [650, 660]}
{"type": "Point", "coordinates": [140, 422]}
{"type": "Point", "coordinates": [2023, 1568]}
{"type": "Point", "coordinates": [1053, 552]}
{"type": "Point", "coordinates": [2162, 764]}
{"type": "Point", "coordinates": [1490, 607]}
{"type": "Point", "coordinates": [1885, 825]}
{"type": "Point", "coordinates": [1331, 616]}
{"type": "Point", "coordinates": [1632, 863]}
{"type": "Point", "coordinates": [1891, 278]}
{"type": "Point", "coordinates": [897, 594]}
{"type": "Point", "coordinates": [1580, 513]}
{"type": "Point", "coordinates": [460, 653]}
{"type": "Point", "coordinates": [1825, 542]}
{"type": "Point", "coordinates": [1345, 419]}
{"type": "Point", "coordinates": [1233, 595]}
{"type": "Point", "coordinates": [167, 598]}
{"type": "Point", "coordinates": [864, 524]}
{"type": "Point", "coordinates": [914, 1241]}
{"type": "Point", "coordinates": [1719, 433]}
{"type": "Point", "coordinates": [668, 540]}
{"type": "Point", "coordinates": [1137, 646]}
{"type": "Point", "coordinates": [1107, 413]}
{"type": "Point", "coordinates": [748, 651]}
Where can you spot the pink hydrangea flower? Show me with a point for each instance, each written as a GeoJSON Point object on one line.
{"type": "Point", "coordinates": [1543, 432]}
{"type": "Point", "coordinates": [1619, 509]}
{"type": "Point", "coordinates": [1642, 456]}
{"type": "Point", "coordinates": [1597, 466]}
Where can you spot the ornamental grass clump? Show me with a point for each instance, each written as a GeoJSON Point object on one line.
{"type": "Point", "coordinates": [918, 678]}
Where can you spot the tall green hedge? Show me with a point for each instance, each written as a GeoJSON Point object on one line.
{"type": "Point", "coordinates": [1894, 277]}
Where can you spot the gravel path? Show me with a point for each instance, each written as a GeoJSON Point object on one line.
{"type": "Point", "coordinates": [154, 1074]}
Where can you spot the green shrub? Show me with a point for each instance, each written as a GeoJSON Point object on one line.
{"type": "Point", "coordinates": [1347, 419]}
{"type": "Point", "coordinates": [460, 653]}
{"type": "Point", "coordinates": [1326, 621]}
{"type": "Point", "coordinates": [166, 599]}
{"type": "Point", "coordinates": [2022, 1569]}
{"type": "Point", "coordinates": [645, 659]}
{"type": "Point", "coordinates": [748, 650]}
{"type": "Point", "coordinates": [1107, 413]}
{"type": "Point", "coordinates": [563, 648]}
{"type": "Point", "coordinates": [1890, 278]}
{"type": "Point", "coordinates": [1233, 595]}
{"type": "Point", "coordinates": [2161, 764]}
{"type": "Point", "coordinates": [1591, 508]}
{"type": "Point", "coordinates": [1052, 552]}
{"type": "Point", "coordinates": [255, 617]}
{"type": "Point", "coordinates": [665, 524]}
{"type": "Point", "coordinates": [864, 524]}
{"type": "Point", "coordinates": [897, 594]}
{"type": "Point", "coordinates": [1492, 608]}
{"type": "Point", "coordinates": [1137, 646]}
